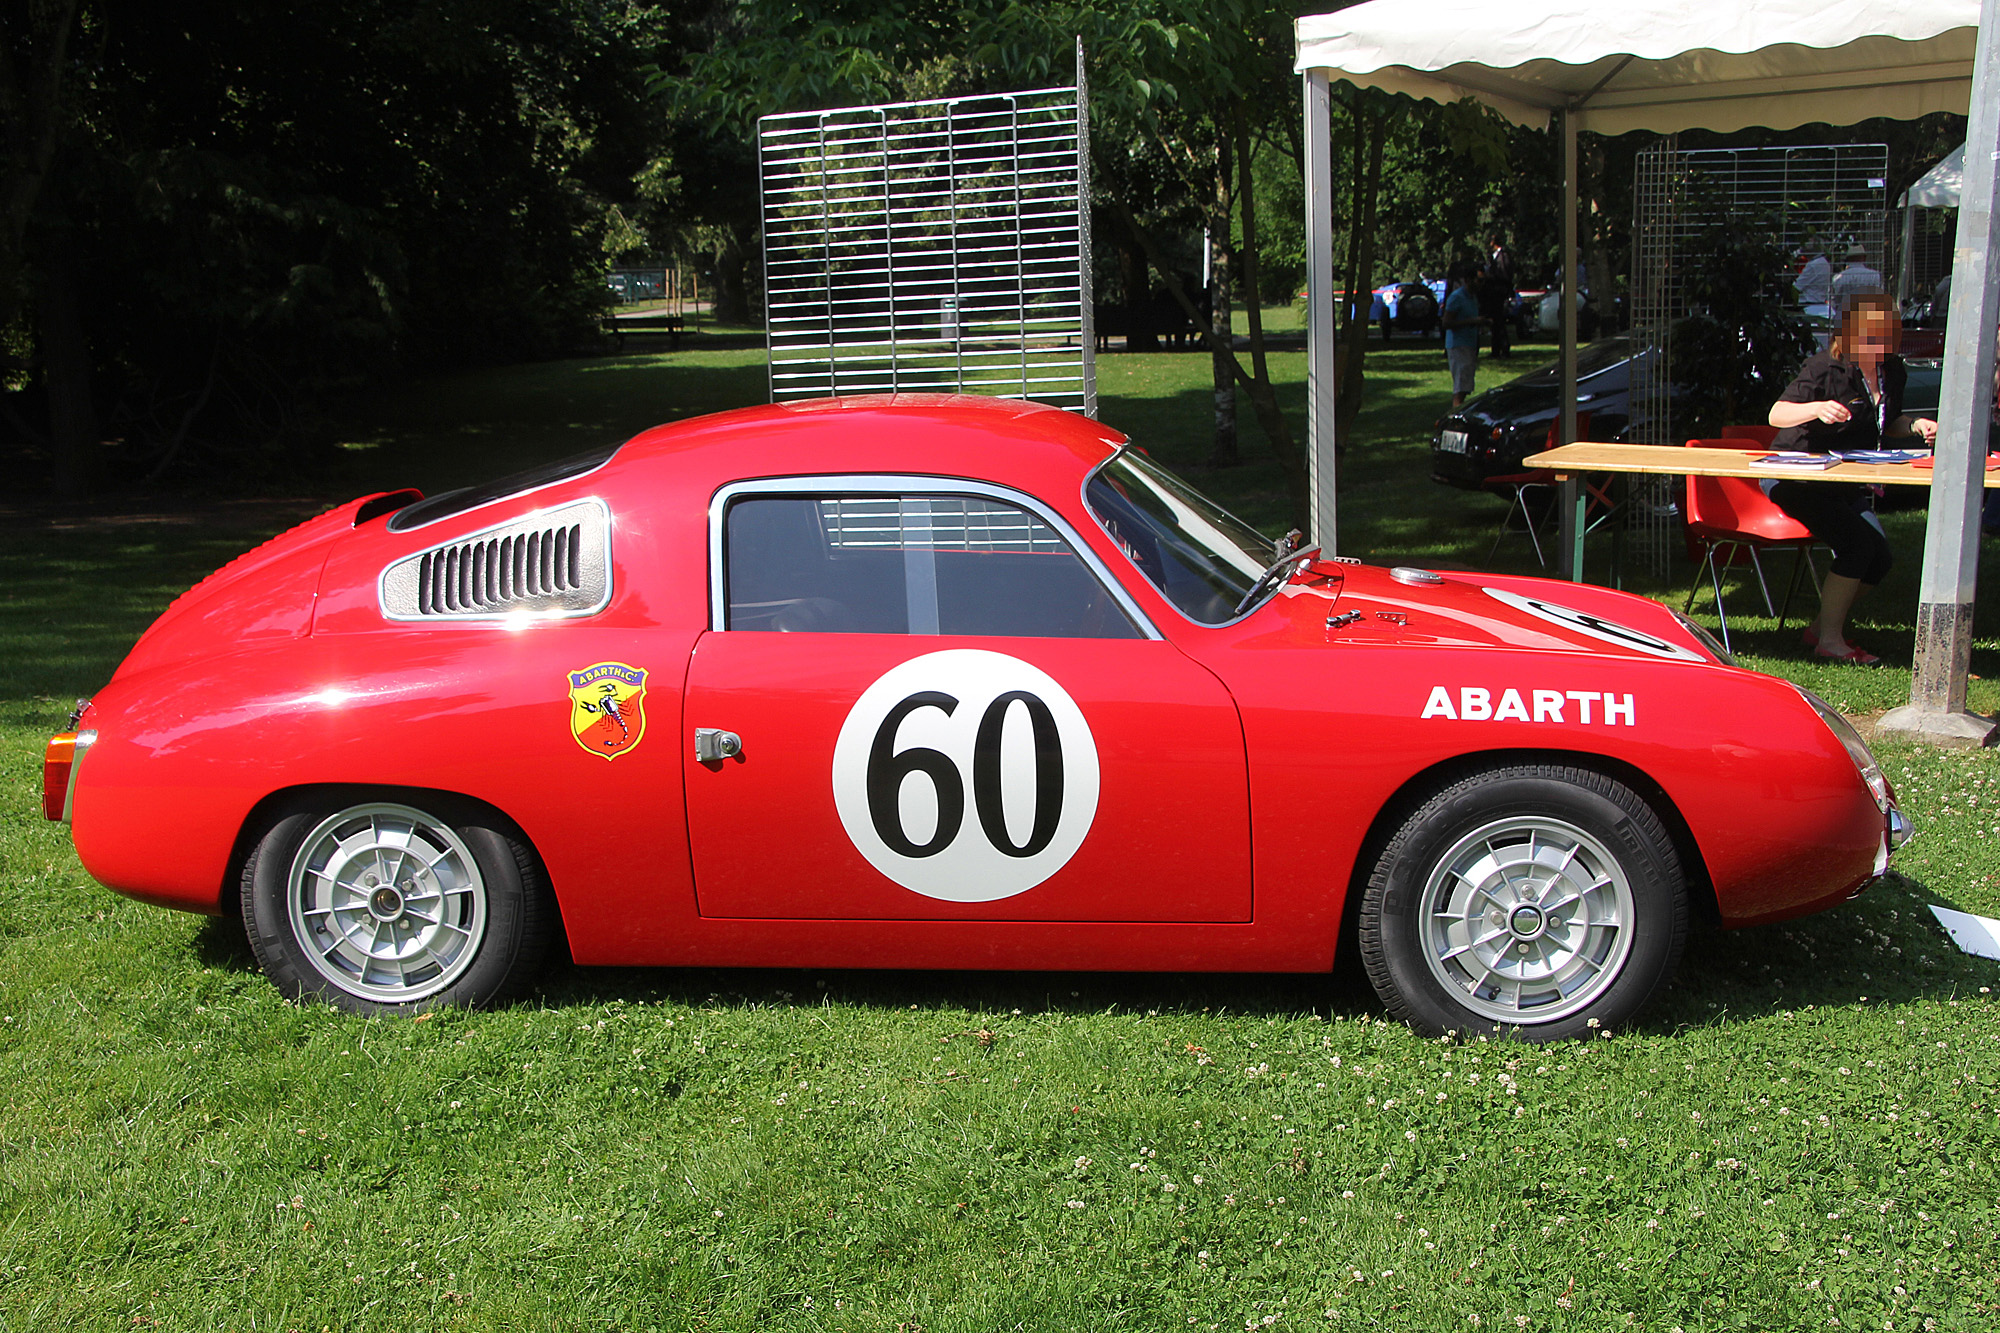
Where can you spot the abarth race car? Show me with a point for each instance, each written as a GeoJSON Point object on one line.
{"type": "Point", "coordinates": [927, 682]}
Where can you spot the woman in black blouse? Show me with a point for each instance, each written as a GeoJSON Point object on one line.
{"type": "Point", "coordinates": [1847, 397]}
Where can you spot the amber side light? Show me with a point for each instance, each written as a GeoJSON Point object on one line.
{"type": "Point", "coordinates": [56, 762]}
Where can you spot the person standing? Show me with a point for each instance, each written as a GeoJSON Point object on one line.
{"type": "Point", "coordinates": [1496, 294]}
{"type": "Point", "coordinates": [1460, 321]}
{"type": "Point", "coordinates": [1847, 397]}
{"type": "Point", "coordinates": [1857, 279]}
{"type": "Point", "coordinates": [1815, 282]}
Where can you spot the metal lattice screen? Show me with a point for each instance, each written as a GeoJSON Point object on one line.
{"type": "Point", "coordinates": [1827, 197]}
{"type": "Point", "coordinates": [937, 246]}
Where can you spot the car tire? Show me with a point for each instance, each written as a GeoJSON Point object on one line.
{"type": "Point", "coordinates": [1470, 922]}
{"type": "Point", "coordinates": [332, 915]}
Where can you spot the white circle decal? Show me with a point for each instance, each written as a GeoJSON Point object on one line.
{"type": "Point", "coordinates": [1609, 631]}
{"type": "Point", "coordinates": [966, 775]}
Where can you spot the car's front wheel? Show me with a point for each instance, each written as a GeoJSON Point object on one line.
{"type": "Point", "coordinates": [383, 906]}
{"type": "Point", "coordinates": [1539, 901]}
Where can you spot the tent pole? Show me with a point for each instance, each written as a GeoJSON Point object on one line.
{"type": "Point", "coordinates": [1906, 266]}
{"type": "Point", "coordinates": [1936, 710]}
{"type": "Point", "coordinates": [1321, 300]}
{"type": "Point", "coordinates": [1571, 563]}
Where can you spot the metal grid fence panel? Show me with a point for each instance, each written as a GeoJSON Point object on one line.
{"type": "Point", "coordinates": [1826, 198]}
{"type": "Point", "coordinates": [930, 247]}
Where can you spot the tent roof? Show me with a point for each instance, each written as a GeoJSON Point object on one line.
{"type": "Point", "coordinates": [1941, 185]}
{"type": "Point", "coordinates": [1661, 65]}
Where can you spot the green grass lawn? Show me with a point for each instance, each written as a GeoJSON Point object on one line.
{"type": "Point", "coordinates": [1802, 1129]}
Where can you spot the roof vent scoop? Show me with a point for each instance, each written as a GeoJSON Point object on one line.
{"type": "Point", "coordinates": [553, 563]}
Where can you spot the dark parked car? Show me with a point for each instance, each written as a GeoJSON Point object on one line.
{"type": "Point", "coordinates": [1490, 435]}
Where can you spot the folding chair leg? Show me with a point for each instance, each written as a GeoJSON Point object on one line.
{"type": "Point", "coordinates": [1715, 577]}
{"type": "Point", "coordinates": [1527, 521]}
{"type": "Point", "coordinates": [1801, 564]}
{"type": "Point", "coordinates": [1708, 554]}
{"type": "Point", "coordinates": [1762, 586]}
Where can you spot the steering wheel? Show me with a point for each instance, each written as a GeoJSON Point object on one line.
{"type": "Point", "coordinates": [1270, 575]}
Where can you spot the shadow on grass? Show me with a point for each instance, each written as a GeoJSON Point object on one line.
{"type": "Point", "coordinates": [1260, 994]}
{"type": "Point", "coordinates": [1883, 948]}
{"type": "Point", "coordinates": [221, 944]}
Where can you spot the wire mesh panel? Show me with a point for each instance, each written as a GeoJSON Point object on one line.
{"type": "Point", "coordinates": [1659, 178]}
{"type": "Point", "coordinates": [1824, 205]}
{"type": "Point", "coordinates": [930, 247]}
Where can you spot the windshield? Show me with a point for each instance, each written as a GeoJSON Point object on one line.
{"type": "Point", "coordinates": [1202, 559]}
{"type": "Point", "coordinates": [1594, 359]}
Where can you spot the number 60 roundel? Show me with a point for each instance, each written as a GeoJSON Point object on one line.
{"type": "Point", "coordinates": [966, 775]}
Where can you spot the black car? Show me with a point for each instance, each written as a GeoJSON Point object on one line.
{"type": "Point", "coordinates": [1490, 435]}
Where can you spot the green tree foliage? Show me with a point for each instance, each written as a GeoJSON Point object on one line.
{"type": "Point", "coordinates": [1739, 345]}
{"type": "Point", "coordinates": [247, 204]}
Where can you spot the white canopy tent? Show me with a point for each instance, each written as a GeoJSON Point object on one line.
{"type": "Point", "coordinates": [1941, 185]}
{"type": "Point", "coordinates": [1617, 65]}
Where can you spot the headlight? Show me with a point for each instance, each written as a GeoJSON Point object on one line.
{"type": "Point", "coordinates": [1864, 763]}
{"type": "Point", "coordinates": [1714, 645]}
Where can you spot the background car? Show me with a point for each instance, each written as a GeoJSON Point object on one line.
{"type": "Point", "coordinates": [1411, 306]}
{"type": "Point", "coordinates": [921, 682]}
{"type": "Point", "coordinates": [1492, 433]}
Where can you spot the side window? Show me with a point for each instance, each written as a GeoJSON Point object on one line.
{"type": "Point", "coordinates": [908, 564]}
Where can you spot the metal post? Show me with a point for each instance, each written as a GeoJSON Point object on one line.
{"type": "Point", "coordinates": [1906, 268]}
{"type": "Point", "coordinates": [1572, 505]}
{"type": "Point", "coordinates": [1321, 300]}
{"type": "Point", "coordinates": [1086, 292]}
{"type": "Point", "coordinates": [1936, 710]}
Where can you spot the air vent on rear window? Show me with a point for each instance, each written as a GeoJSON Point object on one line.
{"type": "Point", "coordinates": [553, 563]}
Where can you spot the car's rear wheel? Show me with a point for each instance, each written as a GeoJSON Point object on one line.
{"type": "Point", "coordinates": [381, 906]}
{"type": "Point", "coordinates": [1537, 901]}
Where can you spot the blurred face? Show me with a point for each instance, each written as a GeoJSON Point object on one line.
{"type": "Point", "coordinates": [1875, 333]}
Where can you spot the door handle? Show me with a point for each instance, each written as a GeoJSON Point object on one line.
{"type": "Point", "coordinates": [712, 745]}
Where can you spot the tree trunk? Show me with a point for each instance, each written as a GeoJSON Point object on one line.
{"type": "Point", "coordinates": [1139, 335]}
{"type": "Point", "coordinates": [1373, 133]}
{"type": "Point", "coordinates": [732, 293]}
{"type": "Point", "coordinates": [31, 123]}
{"type": "Point", "coordinates": [66, 370]}
{"type": "Point", "coordinates": [1222, 357]}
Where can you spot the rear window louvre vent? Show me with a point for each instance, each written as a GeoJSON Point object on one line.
{"type": "Point", "coordinates": [553, 563]}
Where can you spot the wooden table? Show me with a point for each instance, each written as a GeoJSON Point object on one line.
{"type": "Point", "coordinates": [1572, 460]}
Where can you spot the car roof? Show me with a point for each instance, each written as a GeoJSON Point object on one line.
{"type": "Point", "coordinates": [1030, 445]}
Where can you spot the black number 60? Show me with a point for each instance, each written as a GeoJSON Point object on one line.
{"type": "Point", "coordinates": [887, 767]}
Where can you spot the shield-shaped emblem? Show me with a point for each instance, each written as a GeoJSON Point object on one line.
{"type": "Point", "coordinates": [607, 712]}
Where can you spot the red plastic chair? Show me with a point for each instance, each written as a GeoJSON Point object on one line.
{"type": "Point", "coordinates": [1520, 483]}
{"type": "Point", "coordinates": [1757, 433]}
{"type": "Point", "coordinates": [1732, 514]}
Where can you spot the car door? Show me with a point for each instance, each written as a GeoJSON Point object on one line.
{"type": "Point", "coordinates": [925, 700]}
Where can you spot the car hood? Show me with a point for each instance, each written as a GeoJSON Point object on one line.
{"type": "Point", "coordinates": [1361, 604]}
{"type": "Point", "coordinates": [267, 592]}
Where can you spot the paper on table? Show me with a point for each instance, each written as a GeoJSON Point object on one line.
{"type": "Point", "coordinates": [1881, 455]}
{"type": "Point", "coordinates": [1793, 462]}
{"type": "Point", "coordinates": [1976, 935]}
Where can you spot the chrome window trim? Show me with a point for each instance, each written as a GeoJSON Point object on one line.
{"type": "Point", "coordinates": [1083, 495]}
{"type": "Point", "coordinates": [501, 617]}
{"type": "Point", "coordinates": [503, 499]}
{"type": "Point", "coordinates": [84, 740]}
{"type": "Point", "coordinates": [830, 487]}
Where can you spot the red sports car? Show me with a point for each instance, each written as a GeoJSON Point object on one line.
{"type": "Point", "coordinates": [926, 682]}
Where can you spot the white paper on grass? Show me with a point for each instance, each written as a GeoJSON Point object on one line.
{"type": "Point", "coordinates": [1976, 935]}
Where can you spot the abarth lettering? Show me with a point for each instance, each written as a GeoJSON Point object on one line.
{"type": "Point", "coordinates": [1583, 707]}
